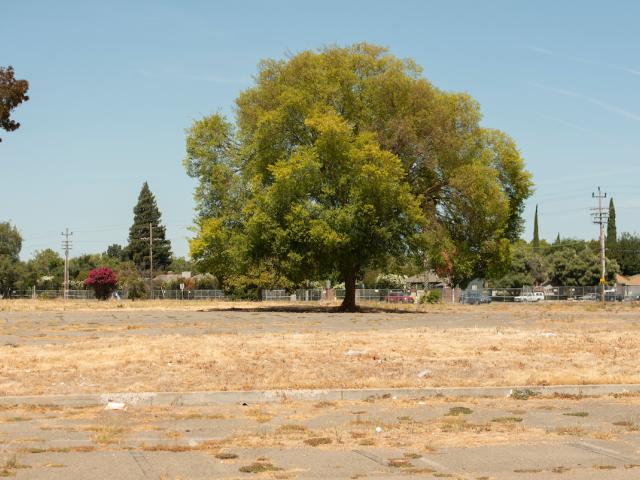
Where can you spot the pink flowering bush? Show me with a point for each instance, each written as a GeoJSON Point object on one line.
{"type": "Point", "coordinates": [102, 281]}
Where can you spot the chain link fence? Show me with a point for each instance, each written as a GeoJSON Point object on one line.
{"type": "Point", "coordinates": [487, 295]}
{"type": "Point", "coordinates": [362, 294]}
{"type": "Point", "coordinates": [565, 293]}
{"type": "Point", "coordinates": [52, 294]}
{"type": "Point", "coordinates": [276, 296]}
{"type": "Point", "coordinates": [188, 294]}
{"type": "Point", "coordinates": [89, 295]}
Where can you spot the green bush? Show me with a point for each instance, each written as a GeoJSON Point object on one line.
{"type": "Point", "coordinates": [390, 281]}
{"type": "Point", "coordinates": [432, 296]}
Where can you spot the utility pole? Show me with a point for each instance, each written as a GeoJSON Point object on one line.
{"type": "Point", "coordinates": [66, 245]}
{"type": "Point", "coordinates": [150, 238]}
{"type": "Point", "coordinates": [600, 217]}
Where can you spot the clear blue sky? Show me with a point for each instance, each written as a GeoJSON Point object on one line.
{"type": "Point", "coordinates": [114, 84]}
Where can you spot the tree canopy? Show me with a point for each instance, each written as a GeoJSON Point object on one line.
{"type": "Point", "coordinates": [342, 158]}
{"type": "Point", "coordinates": [627, 253]}
{"type": "Point", "coordinates": [566, 262]}
{"type": "Point", "coordinates": [12, 93]}
{"type": "Point", "coordinates": [11, 268]}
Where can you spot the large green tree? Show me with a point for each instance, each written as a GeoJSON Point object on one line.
{"type": "Point", "coordinates": [340, 205]}
{"type": "Point", "coordinates": [146, 213]}
{"type": "Point", "coordinates": [45, 270]}
{"type": "Point", "coordinates": [528, 267]}
{"type": "Point", "coordinates": [12, 93]}
{"type": "Point", "coordinates": [328, 117]}
{"type": "Point", "coordinates": [11, 269]}
{"type": "Point", "coordinates": [578, 265]}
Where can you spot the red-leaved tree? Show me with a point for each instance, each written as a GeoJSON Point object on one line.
{"type": "Point", "coordinates": [102, 281]}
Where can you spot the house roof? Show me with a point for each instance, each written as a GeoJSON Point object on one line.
{"type": "Point", "coordinates": [632, 280]}
{"type": "Point", "coordinates": [425, 277]}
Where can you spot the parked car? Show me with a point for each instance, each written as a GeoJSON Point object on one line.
{"type": "Point", "coordinates": [399, 297]}
{"type": "Point", "coordinates": [529, 297]}
{"type": "Point", "coordinates": [589, 297]}
{"type": "Point", "coordinates": [609, 296]}
{"type": "Point", "coordinates": [474, 298]}
{"type": "Point", "coordinates": [613, 296]}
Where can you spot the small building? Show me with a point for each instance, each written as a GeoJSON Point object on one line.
{"type": "Point", "coordinates": [425, 281]}
{"type": "Point", "coordinates": [628, 286]}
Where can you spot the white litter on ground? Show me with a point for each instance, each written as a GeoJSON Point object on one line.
{"type": "Point", "coordinates": [115, 406]}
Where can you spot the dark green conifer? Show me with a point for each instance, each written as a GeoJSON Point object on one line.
{"type": "Point", "coordinates": [612, 230]}
{"type": "Point", "coordinates": [146, 213]}
{"type": "Point", "coordinates": [536, 235]}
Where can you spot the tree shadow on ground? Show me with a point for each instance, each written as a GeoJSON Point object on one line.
{"type": "Point", "coordinates": [309, 309]}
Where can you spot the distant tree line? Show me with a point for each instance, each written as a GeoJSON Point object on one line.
{"type": "Point", "coordinates": [45, 270]}
{"type": "Point", "coordinates": [570, 261]}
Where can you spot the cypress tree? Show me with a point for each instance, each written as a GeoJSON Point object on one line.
{"type": "Point", "coordinates": [557, 242]}
{"type": "Point", "coordinates": [144, 213]}
{"type": "Point", "coordinates": [536, 237]}
{"type": "Point", "coordinates": [612, 230]}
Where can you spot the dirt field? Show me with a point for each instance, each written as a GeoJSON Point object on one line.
{"type": "Point", "coordinates": [49, 347]}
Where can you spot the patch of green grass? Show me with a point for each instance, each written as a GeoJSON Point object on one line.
{"type": "Point", "coordinates": [524, 394]}
{"type": "Point", "coordinates": [628, 424]}
{"type": "Point", "coordinates": [577, 431]}
{"type": "Point", "coordinates": [259, 467]}
{"type": "Point", "coordinates": [225, 456]}
{"type": "Point", "coordinates": [507, 420]}
{"type": "Point", "coordinates": [576, 414]}
{"type": "Point", "coordinates": [107, 434]}
{"type": "Point", "coordinates": [291, 428]}
{"type": "Point", "coordinates": [18, 419]}
{"type": "Point", "coordinates": [456, 411]}
{"type": "Point", "coordinates": [412, 455]}
{"type": "Point", "coordinates": [34, 450]}
{"type": "Point", "coordinates": [399, 463]}
{"type": "Point", "coordinates": [11, 464]}
{"type": "Point", "coordinates": [315, 441]}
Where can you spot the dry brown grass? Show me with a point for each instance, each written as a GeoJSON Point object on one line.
{"type": "Point", "coordinates": [591, 350]}
{"type": "Point", "coordinates": [59, 305]}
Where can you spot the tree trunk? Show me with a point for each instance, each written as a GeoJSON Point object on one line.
{"type": "Point", "coordinates": [349, 302]}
